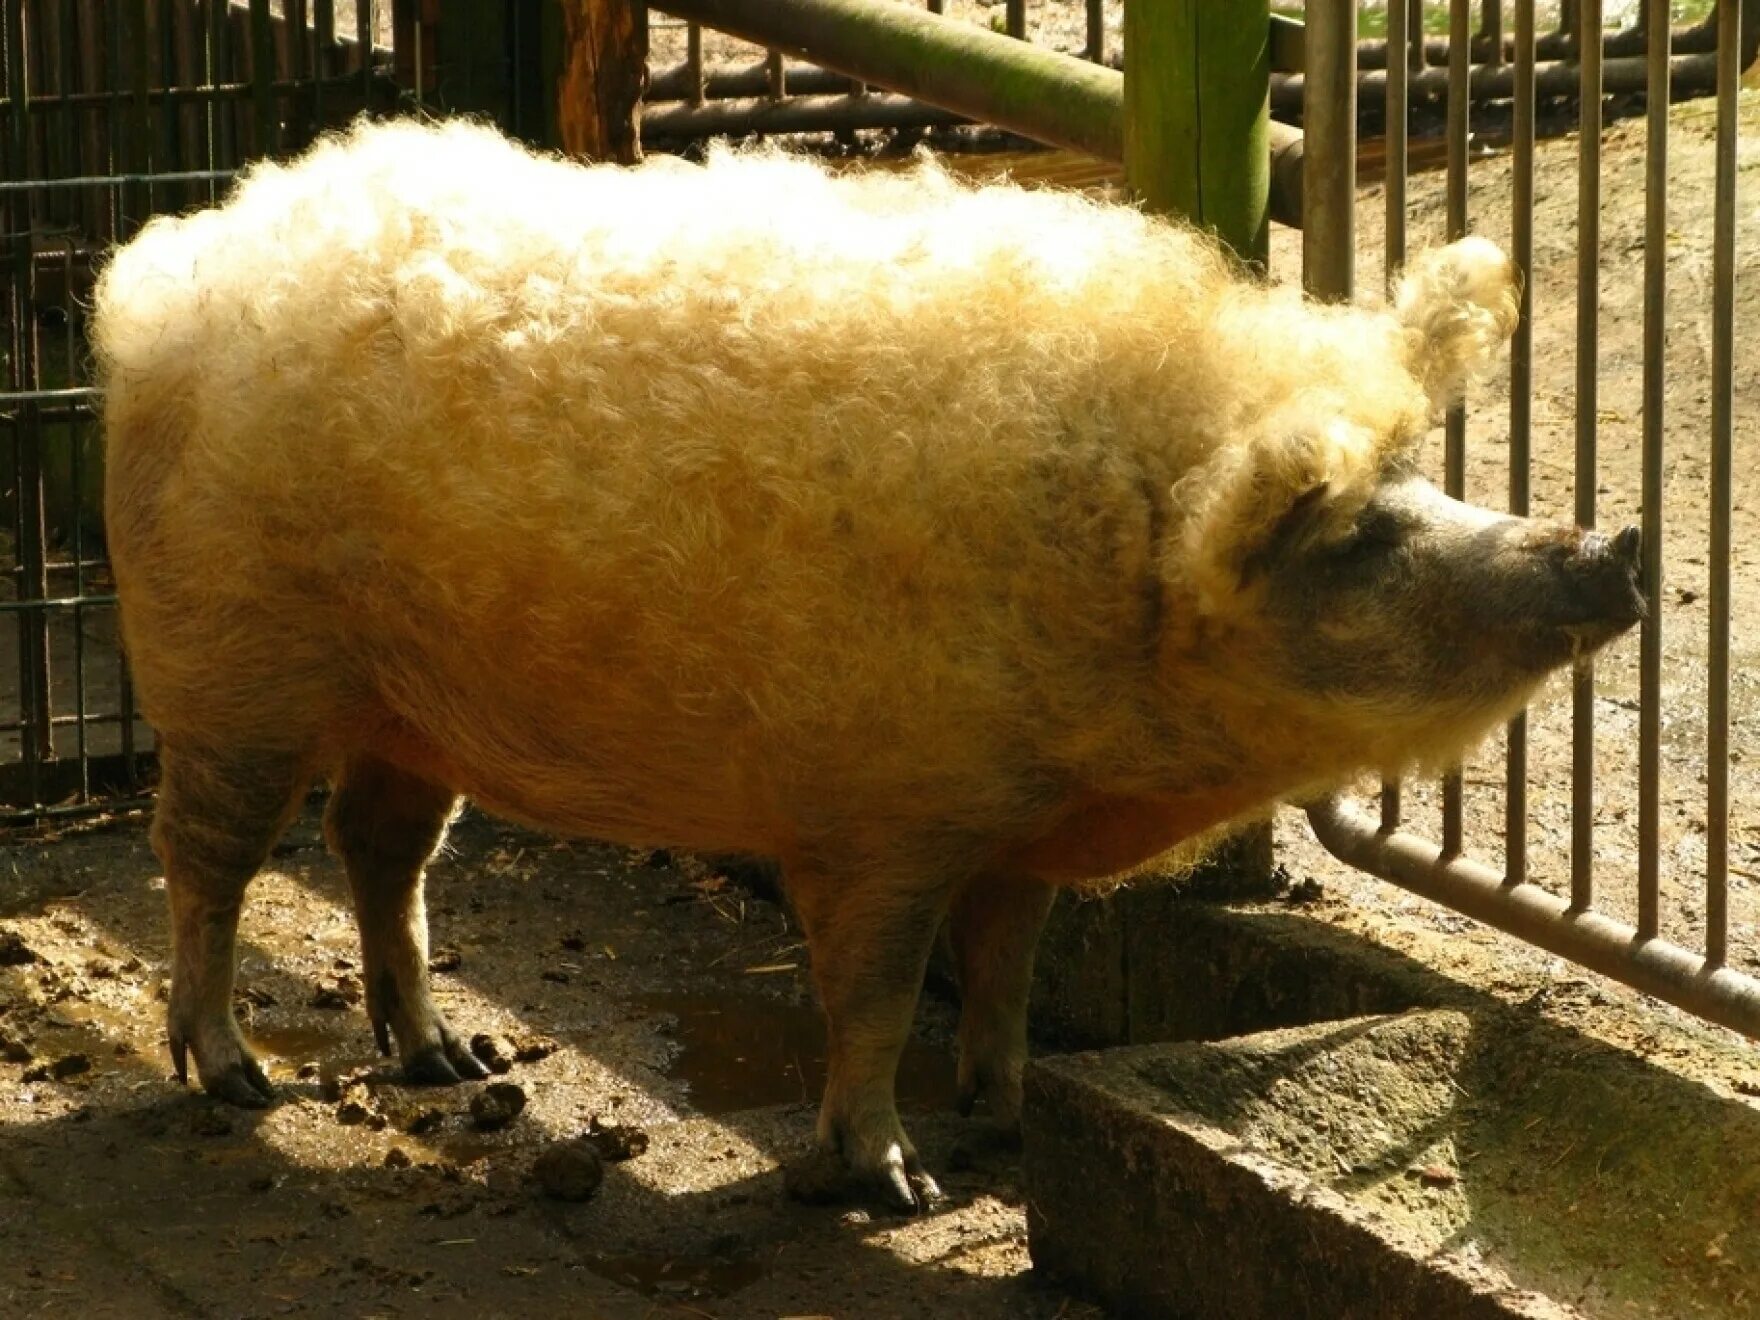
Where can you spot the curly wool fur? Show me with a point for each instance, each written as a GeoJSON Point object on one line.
{"type": "Point", "coordinates": [741, 506]}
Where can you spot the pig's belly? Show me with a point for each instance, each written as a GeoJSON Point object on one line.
{"type": "Point", "coordinates": [612, 787]}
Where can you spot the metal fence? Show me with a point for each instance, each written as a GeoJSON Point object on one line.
{"type": "Point", "coordinates": [704, 84]}
{"type": "Point", "coordinates": [112, 111]}
{"type": "Point", "coordinates": [1580, 927]}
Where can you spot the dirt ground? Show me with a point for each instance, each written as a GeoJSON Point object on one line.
{"type": "Point", "coordinates": [648, 992]}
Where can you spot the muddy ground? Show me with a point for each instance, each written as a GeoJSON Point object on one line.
{"type": "Point", "coordinates": [648, 992]}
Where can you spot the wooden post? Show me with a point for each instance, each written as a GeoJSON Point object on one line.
{"type": "Point", "coordinates": [1197, 115]}
{"type": "Point", "coordinates": [596, 63]}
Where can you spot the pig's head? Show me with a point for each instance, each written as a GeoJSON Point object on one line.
{"type": "Point", "coordinates": [1349, 599]}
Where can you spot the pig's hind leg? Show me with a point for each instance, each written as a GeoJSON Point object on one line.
{"type": "Point", "coordinates": [994, 928]}
{"type": "Point", "coordinates": [869, 943]}
{"type": "Point", "coordinates": [218, 815]}
{"type": "Point", "coordinates": [385, 824]}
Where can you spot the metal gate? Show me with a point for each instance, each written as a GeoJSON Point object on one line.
{"type": "Point", "coordinates": [1579, 928]}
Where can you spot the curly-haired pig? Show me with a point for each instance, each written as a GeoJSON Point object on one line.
{"type": "Point", "coordinates": [949, 544]}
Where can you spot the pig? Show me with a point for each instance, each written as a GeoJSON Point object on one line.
{"type": "Point", "coordinates": [949, 544]}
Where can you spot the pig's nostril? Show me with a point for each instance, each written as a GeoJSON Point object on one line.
{"type": "Point", "coordinates": [1628, 544]}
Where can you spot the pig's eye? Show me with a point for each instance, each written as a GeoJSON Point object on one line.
{"type": "Point", "coordinates": [1373, 535]}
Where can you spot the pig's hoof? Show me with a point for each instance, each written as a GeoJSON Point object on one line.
{"type": "Point", "coordinates": [823, 1178]}
{"type": "Point", "coordinates": [445, 1063]}
{"type": "Point", "coordinates": [227, 1069]}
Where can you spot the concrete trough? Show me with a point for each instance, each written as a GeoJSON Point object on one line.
{"type": "Point", "coordinates": [1445, 1164]}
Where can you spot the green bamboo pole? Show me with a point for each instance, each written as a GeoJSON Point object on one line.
{"type": "Point", "coordinates": [1197, 115]}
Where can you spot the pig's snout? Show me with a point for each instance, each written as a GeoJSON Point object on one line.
{"type": "Point", "coordinates": [1604, 586]}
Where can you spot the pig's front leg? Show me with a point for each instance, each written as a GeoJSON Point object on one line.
{"type": "Point", "coordinates": [385, 824]}
{"type": "Point", "coordinates": [994, 929]}
{"type": "Point", "coordinates": [869, 937]}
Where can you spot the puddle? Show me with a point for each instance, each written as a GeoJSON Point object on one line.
{"type": "Point", "coordinates": [747, 1052]}
{"type": "Point", "coordinates": [679, 1278]}
{"type": "Point", "coordinates": [289, 1044]}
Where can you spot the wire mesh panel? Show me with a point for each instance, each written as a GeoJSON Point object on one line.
{"type": "Point", "coordinates": [1638, 761]}
{"type": "Point", "coordinates": [112, 111]}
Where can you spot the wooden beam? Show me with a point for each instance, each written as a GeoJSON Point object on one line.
{"type": "Point", "coordinates": [597, 66]}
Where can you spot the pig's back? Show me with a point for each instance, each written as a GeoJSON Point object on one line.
{"type": "Point", "coordinates": [635, 459]}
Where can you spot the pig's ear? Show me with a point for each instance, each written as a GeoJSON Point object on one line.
{"type": "Point", "coordinates": [1249, 500]}
{"type": "Point", "coordinates": [1288, 532]}
{"type": "Point", "coordinates": [1458, 305]}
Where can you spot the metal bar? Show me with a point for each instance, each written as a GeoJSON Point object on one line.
{"type": "Point", "coordinates": [363, 34]}
{"type": "Point", "coordinates": [1398, 115]}
{"type": "Point", "coordinates": [1490, 38]}
{"type": "Point", "coordinates": [66, 721]}
{"type": "Point", "coordinates": [31, 575]}
{"type": "Point", "coordinates": [1095, 47]}
{"type": "Point", "coordinates": [1655, 345]}
{"type": "Point", "coordinates": [1600, 943]}
{"type": "Point", "coordinates": [1723, 260]}
{"type": "Point", "coordinates": [695, 90]}
{"type": "Point", "coordinates": [43, 604]}
{"type": "Point", "coordinates": [1521, 406]}
{"type": "Point", "coordinates": [776, 75]}
{"type": "Point", "coordinates": [1460, 19]}
{"type": "Point", "coordinates": [323, 53]}
{"type": "Point", "coordinates": [1015, 19]}
{"type": "Point", "coordinates": [1588, 332]}
{"type": "Point", "coordinates": [103, 181]}
{"type": "Point", "coordinates": [1417, 52]}
{"type": "Point", "coordinates": [299, 70]}
{"type": "Point", "coordinates": [263, 79]}
{"type": "Point", "coordinates": [1329, 120]}
{"type": "Point", "coordinates": [1394, 256]}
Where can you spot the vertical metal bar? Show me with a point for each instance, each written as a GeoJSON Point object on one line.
{"type": "Point", "coordinates": [693, 62]}
{"type": "Point", "coordinates": [263, 78]}
{"type": "Point", "coordinates": [1399, 36]}
{"type": "Point", "coordinates": [776, 72]}
{"type": "Point", "coordinates": [1398, 101]}
{"type": "Point", "coordinates": [1656, 37]}
{"type": "Point", "coordinates": [214, 61]}
{"type": "Point", "coordinates": [1491, 33]}
{"type": "Point", "coordinates": [937, 6]}
{"type": "Point", "coordinates": [75, 432]}
{"type": "Point", "coordinates": [1723, 263]}
{"type": "Point", "coordinates": [168, 150]}
{"type": "Point", "coordinates": [1416, 53]}
{"type": "Point", "coordinates": [1015, 19]}
{"type": "Point", "coordinates": [363, 32]}
{"type": "Point", "coordinates": [1095, 48]}
{"type": "Point", "coordinates": [1521, 407]}
{"type": "Point", "coordinates": [140, 121]}
{"type": "Point", "coordinates": [1460, 36]}
{"type": "Point", "coordinates": [323, 56]}
{"type": "Point", "coordinates": [1588, 331]}
{"type": "Point", "coordinates": [299, 72]}
{"type": "Point", "coordinates": [1329, 119]}
{"type": "Point", "coordinates": [36, 731]}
